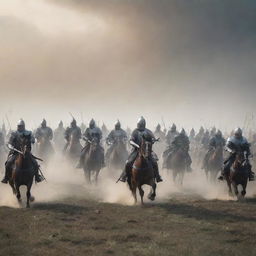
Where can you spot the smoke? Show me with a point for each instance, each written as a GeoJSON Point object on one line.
{"type": "Point", "coordinates": [192, 62]}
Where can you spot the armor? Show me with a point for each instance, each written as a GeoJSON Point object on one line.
{"type": "Point", "coordinates": [216, 141]}
{"type": "Point", "coordinates": [44, 132]}
{"type": "Point", "coordinates": [14, 143]}
{"type": "Point", "coordinates": [180, 141]}
{"type": "Point", "coordinates": [205, 140]}
{"type": "Point", "coordinates": [159, 133]}
{"type": "Point", "coordinates": [114, 136]}
{"type": "Point", "coordinates": [192, 134]}
{"type": "Point", "coordinates": [141, 124]}
{"type": "Point", "coordinates": [235, 144]}
{"type": "Point", "coordinates": [59, 136]}
{"type": "Point", "coordinates": [200, 135]}
{"type": "Point", "coordinates": [73, 130]}
{"type": "Point", "coordinates": [90, 134]}
{"type": "Point", "coordinates": [92, 124]}
{"type": "Point", "coordinates": [135, 141]}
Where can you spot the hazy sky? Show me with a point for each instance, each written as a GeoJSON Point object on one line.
{"type": "Point", "coordinates": [189, 61]}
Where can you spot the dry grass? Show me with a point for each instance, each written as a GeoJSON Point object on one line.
{"type": "Point", "coordinates": [181, 226]}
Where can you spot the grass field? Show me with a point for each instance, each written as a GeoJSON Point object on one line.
{"type": "Point", "coordinates": [181, 225]}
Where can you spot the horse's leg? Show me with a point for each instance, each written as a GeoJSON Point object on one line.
{"type": "Point", "coordinates": [96, 177]}
{"type": "Point", "coordinates": [28, 195]}
{"type": "Point", "coordinates": [174, 175]}
{"type": "Point", "coordinates": [141, 194]}
{"type": "Point", "coordinates": [152, 194]}
{"type": "Point", "coordinates": [18, 193]}
{"type": "Point", "coordinates": [244, 189]}
{"type": "Point", "coordinates": [235, 187]}
{"type": "Point", "coordinates": [229, 187]}
{"type": "Point", "coordinates": [134, 191]}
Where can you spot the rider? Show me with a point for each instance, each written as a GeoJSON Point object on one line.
{"type": "Point", "coordinates": [73, 129]}
{"type": "Point", "coordinates": [91, 133]}
{"type": "Point", "coordinates": [159, 133]}
{"type": "Point", "coordinates": [136, 138]}
{"type": "Point", "coordinates": [192, 134]}
{"type": "Point", "coordinates": [200, 135]}
{"type": "Point", "coordinates": [14, 143]}
{"type": "Point", "coordinates": [172, 133]}
{"type": "Point", "coordinates": [216, 141]}
{"type": "Point", "coordinates": [205, 139]}
{"type": "Point", "coordinates": [181, 141]}
{"type": "Point", "coordinates": [235, 144]}
{"type": "Point", "coordinates": [117, 134]}
{"type": "Point", "coordinates": [44, 132]}
{"type": "Point", "coordinates": [59, 135]}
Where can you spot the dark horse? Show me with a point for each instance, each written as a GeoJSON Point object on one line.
{"type": "Point", "coordinates": [178, 164]}
{"type": "Point", "coordinates": [238, 175]}
{"type": "Point", "coordinates": [23, 171]}
{"type": "Point", "coordinates": [118, 155]}
{"type": "Point", "coordinates": [93, 160]}
{"type": "Point", "coordinates": [214, 163]}
{"type": "Point", "coordinates": [142, 171]}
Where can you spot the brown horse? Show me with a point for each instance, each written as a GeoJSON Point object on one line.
{"type": "Point", "coordinates": [178, 165]}
{"type": "Point", "coordinates": [142, 172]}
{"type": "Point", "coordinates": [238, 175]}
{"type": "Point", "coordinates": [214, 163]}
{"type": "Point", "coordinates": [93, 161]}
{"type": "Point", "coordinates": [22, 172]}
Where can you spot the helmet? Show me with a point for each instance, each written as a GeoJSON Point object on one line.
{"type": "Point", "coordinates": [213, 130]}
{"type": "Point", "coordinates": [183, 132]}
{"type": "Point", "coordinates": [21, 125]}
{"type": "Point", "coordinates": [192, 132]}
{"type": "Point", "coordinates": [141, 124]}
{"type": "Point", "coordinates": [173, 128]}
{"type": "Point", "coordinates": [158, 127]}
{"type": "Point", "coordinates": [43, 124]}
{"type": "Point", "coordinates": [219, 133]}
{"type": "Point", "coordinates": [238, 132]}
{"type": "Point", "coordinates": [117, 125]}
{"type": "Point", "coordinates": [73, 123]}
{"type": "Point", "coordinates": [92, 124]}
{"type": "Point", "coordinates": [201, 130]}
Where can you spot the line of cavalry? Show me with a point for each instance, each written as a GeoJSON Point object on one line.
{"type": "Point", "coordinates": [84, 148]}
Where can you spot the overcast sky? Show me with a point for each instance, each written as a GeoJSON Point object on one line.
{"type": "Point", "coordinates": [190, 62]}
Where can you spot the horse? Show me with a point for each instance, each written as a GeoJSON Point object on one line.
{"type": "Point", "coordinates": [92, 160]}
{"type": "Point", "coordinates": [178, 164]}
{"type": "Point", "coordinates": [214, 163]}
{"type": "Point", "coordinates": [238, 175]}
{"type": "Point", "coordinates": [74, 147]}
{"type": "Point", "coordinates": [22, 172]}
{"type": "Point", "coordinates": [118, 155]}
{"type": "Point", "coordinates": [142, 172]}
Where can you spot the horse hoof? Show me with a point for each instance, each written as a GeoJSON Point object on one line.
{"type": "Point", "coordinates": [28, 206]}
{"type": "Point", "coordinates": [32, 199]}
{"type": "Point", "coordinates": [152, 198]}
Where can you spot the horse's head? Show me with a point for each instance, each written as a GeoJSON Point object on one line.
{"type": "Point", "coordinates": [146, 146]}
{"type": "Point", "coordinates": [24, 145]}
{"type": "Point", "coordinates": [240, 160]}
{"type": "Point", "coordinates": [94, 143]}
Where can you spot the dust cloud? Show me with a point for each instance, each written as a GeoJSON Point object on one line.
{"type": "Point", "coordinates": [63, 182]}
